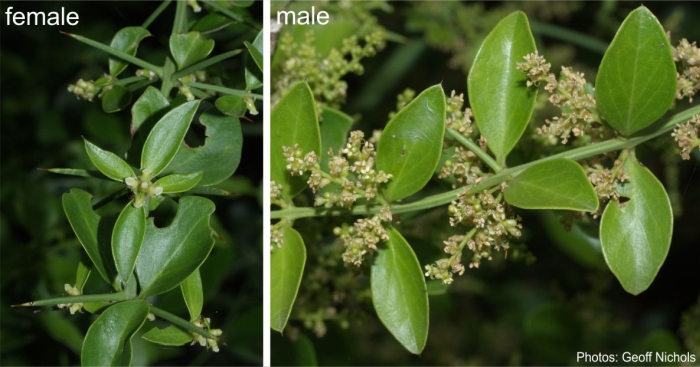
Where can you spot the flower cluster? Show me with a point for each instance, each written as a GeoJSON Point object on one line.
{"type": "Point", "coordinates": [142, 188]}
{"type": "Point", "coordinates": [72, 307]}
{"type": "Point", "coordinates": [465, 167]}
{"type": "Point", "coordinates": [402, 100]}
{"type": "Point", "coordinates": [363, 236]}
{"type": "Point", "coordinates": [569, 93]}
{"type": "Point", "coordinates": [688, 136]}
{"type": "Point", "coordinates": [352, 171]}
{"type": "Point", "coordinates": [458, 119]}
{"type": "Point", "coordinates": [689, 78]}
{"type": "Point", "coordinates": [208, 342]}
{"type": "Point", "coordinates": [491, 228]}
{"type": "Point", "coordinates": [323, 72]}
{"type": "Point", "coordinates": [84, 89]}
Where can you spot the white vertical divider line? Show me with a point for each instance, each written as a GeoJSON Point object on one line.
{"type": "Point", "coordinates": [267, 69]}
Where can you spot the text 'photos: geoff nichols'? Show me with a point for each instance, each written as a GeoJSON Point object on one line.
{"type": "Point", "coordinates": [138, 241]}
{"type": "Point", "coordinates": [496, 183]}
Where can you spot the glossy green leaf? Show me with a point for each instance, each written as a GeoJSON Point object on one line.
{"type": "Point", "coordinates": [210, 23]}
{"type": "Point", "coordinates": [579, 244]}
{"type": "Point", "coordinates": [501, 101]}
{"type": "Point", "coordinates": [411, 144]}
{"type": "Point", "coordinates": [253, 68]}
{"type": "Point", "coordinates": [169, 255]}
{"type": "Point", "coordinates": [636, 80]}
{"type": "Point", "coordinates": [335, 127]}
{"type": "Point", "coordinates": [108, 163]}
{"type": "Point", "coordinates": [166, 137]}
{"type": "Point", "coordinates": [127, 238]}
{"type": "Point", "coordinates": [83, 272]}
{"type": "Point", "coordinates": [171, 336]}
{"type": "Point", "coordinates": [553, 184]}
{"type": "Point", "coordinates": [179, 182]}
{"type": "Point", "coordinates": [92, 231]}
{"type": "Point", "coordinates": [108, 340]}
{"type": "Point", "coordinates": [115, 99]}
{"type": "Point", "coordinates": [231, 105]}
{"type": "Point", "coordinates": [220, 154]}
{"type": "Point", "coordinates": [189, 48]}
{"type": "Point", "coordinates": [293, 121]}
{"type": "Point", "coordinates": [127, 40]}
{"type": "Point", "coordinates": [152, 103]}
{"type": "Point", "coordinates": [286, 269]}
{"type": "Point", "coordinates": [399, 293]}
{"type": "Point", "coordinates": [635, 234]}
{"type": "Point", "coordinates": [193, 294]}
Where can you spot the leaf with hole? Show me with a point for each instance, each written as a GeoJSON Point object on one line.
{"type": "Point", "coordinates": [166, 137]}
{"type": "Point", "coordinates": [635, 232]}
{"type": "Point", "coordinates": [220, 154]}
{"type": "Point", "coordinates": [286, 270]}
{"type": "Point", "coordinates": [636, 80]}
{"type": "Point", "coordinates": [189, 48]}
{"type": "Point", "coordinates": [108, 340]}
{"type": "Point", "coordinates": [410, 146]}
{"type": "Point", "coordinates": [499, 97]}
{"type": "Point", "coordinates": [127, 40]}
{"type": "Point", "coordinates": [293, 121]}
{"type": "Point", "coordinates": [169, 255]}
{"type": "Point", "coordinates": [108, 163]}
{"type": "Point", "coordinates": [399, 293]}
{"type": "Point", "coordinates": [553, 184]}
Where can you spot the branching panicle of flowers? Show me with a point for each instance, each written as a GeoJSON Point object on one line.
{"type": "Point", "coordinates": [458, 119]}
{"type": "Point", "coordinates": [465, 167]}
{"type": "Point", "coordinates": [688, 136]}
{"type": "Point", "coordinates": [688, 55]}
{"type": "Point", "coordinates": [353, 171]}
{"type": "Point", "coordinates": [579, 112]}
{"type": "Point", "coordinates": [491, 226]}
{"type": "Point", "coordinates": [364, 236]}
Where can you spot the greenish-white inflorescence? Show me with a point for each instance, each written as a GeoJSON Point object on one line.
{"type": "Point", "coordinates": [143, 188]}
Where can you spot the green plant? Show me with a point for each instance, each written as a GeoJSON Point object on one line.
{"type": "Point", "coordinates": [132, 252]}
{"type": "Point", "coordinates": [595, 170]}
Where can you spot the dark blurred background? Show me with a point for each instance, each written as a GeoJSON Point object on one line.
{"type": "Point", "coordinates": [510, 312]}
{"type": "Point", "coordinates": [41, 127]}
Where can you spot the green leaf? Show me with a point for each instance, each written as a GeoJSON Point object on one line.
{"type": "Point", "coordinates": [231, 105]}
{"type": "Point", "coordinates": [179, 182]}
{"type": "Point", "coordinates": [108, 163]}
{"type": "Point", "coordinates": [577, 242]}
{"type": "Point", "coordinates": [115, 99]}
{"type": "Point", "coordinates": [253, 74]}
{"type": "Point", "coordinates": [189, 48]}
{"type": "Point", "coordinates": [193, 294]}
{"type": "Point", "coordinates": [83, 272]}
{"type": "Point", "coordinates": [127, 238]}
{"type": "Point", "coordinates": [220, 154]}
{"type": "Point", "coordinates": [411, 143]}
{"type": "Point", "coordinates": [166, 137]}
{"type": "Point", "coordinates": [286, 269]}
{"type": "Point", "coordinates": [335, 127]}
{"type": "Point", "coordinates": [150, 106]}
{"type": "Point", "coordinates": [62, 329]}
{"type": "Point", "coordinates": [553, 184]}
{"type": "Point", "coordinates": [399, 292]}
{"type": "Point", "coordinates": [171, 336]}
{"type": "Point", "coordinates": [93, 231]}
{"type": "Point", "coordinates": [169, 255]}
{"type": "Point", "coordinates": [108, 340]}
{"type": "Point", "coordinates": [210, 23]}
{"type": "Point", "coordinates": [501, 101]}
{"type": "Point", "coordinates": [127, 40]}
{"type": "Point", "coordinates": [636, 80]}
{"type": "Point", "coordinates": [293, 121]}
{"type": "Point", "coordinates": [636, 234]}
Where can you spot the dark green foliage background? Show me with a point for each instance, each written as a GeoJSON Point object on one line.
{"type": "Point", "coordinates": [508, 312]}
{"type": "Point", "coordinates": [41, 125]}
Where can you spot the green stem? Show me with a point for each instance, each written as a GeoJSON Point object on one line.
{"type": "Point", "coordinates": [199, 94]}
{"type": "Point", "coordinates": [117, 53]}
{"type": "Point", "coordinates": [129, 80]}
{"type": "Point", "coordinates": [233, 92]}
{"type": "Point", "coordinates": [505, 175]}
{"type": "Point", "coordinates": [138, 85]}
{"type": "Point", "coordinates": [569, 36]}
{"type": "Point", "coordinates": [109, 297]}
{"type": "Point", "coordinates": [165, 315]}
{"type": "Point", "coordinates": [205, 63]}
{"type": "Point", "coordinates": [180, 23]}
{"type": "Point", "coordinates": [232, 15]}
{"type": "Point", "coordinates": [156, 13]}
{"type": "Point", "coordinates": [476, 149]}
